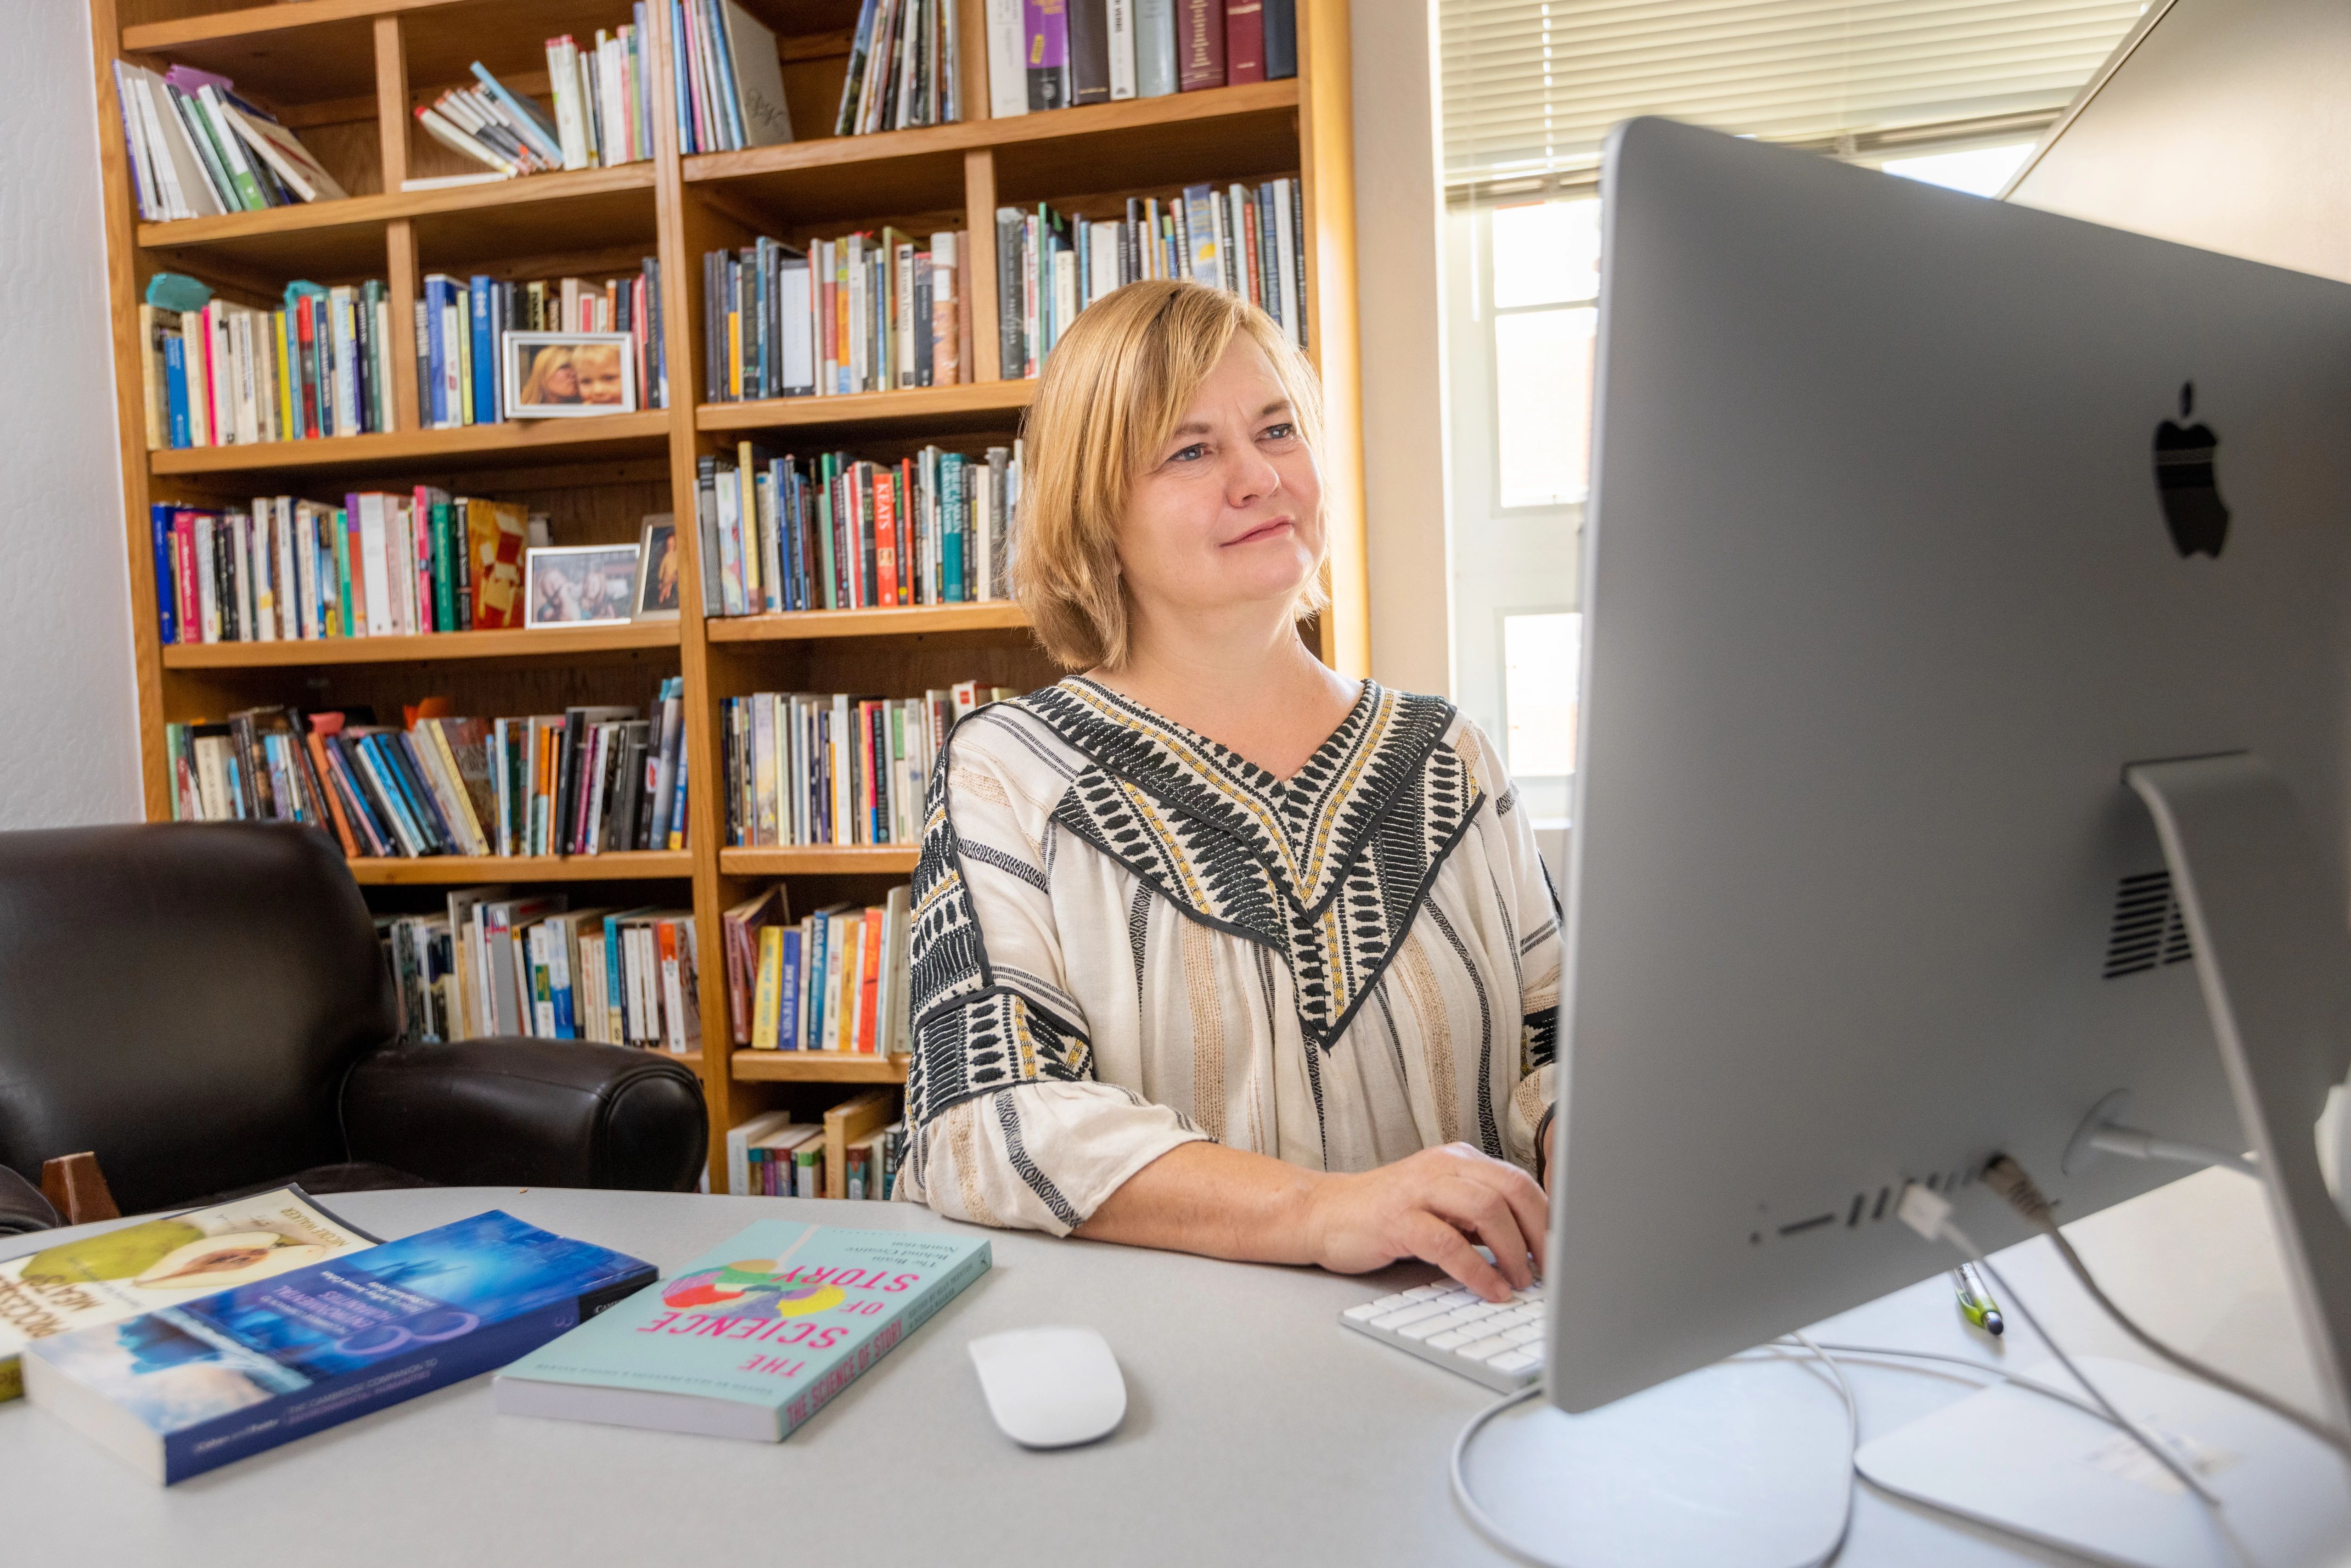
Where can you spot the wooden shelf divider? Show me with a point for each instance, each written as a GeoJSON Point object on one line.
{"type": "Point", "coordinates": [352, 71]}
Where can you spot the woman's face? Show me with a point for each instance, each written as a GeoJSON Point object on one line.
{"type": "Point", "coordinates": [1229, 510]}
{"type": "Point", "coordinates": [562, 383]}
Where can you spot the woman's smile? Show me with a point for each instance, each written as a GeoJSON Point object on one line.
{"type": "Point", "coordinates": [1276, 527]}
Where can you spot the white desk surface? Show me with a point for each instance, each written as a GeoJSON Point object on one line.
{"type": "Point", "coordinates": [1257, 1429]}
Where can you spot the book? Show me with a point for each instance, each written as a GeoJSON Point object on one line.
{"type": "Point", "coordinates": [1045, 47]}
{"type": "Point", "coordinates": [754, 1337]}
{"type": "Point", "coordinates": [1199, 44]}
{"type": "Point", "coordinates": [1090, 69]}
{"type": "Point", "coordinates": [1280, 39]}
{"type": "Point", "coordinates": [1007, 72]}
{"type": "Point", "coordinates": [184, 1389]}
{"type": "Point", "coordinates": [198, 150]}
{"type": "Point", "coordinates": [1244, 41]}
{"type": "Point", "coordinates": [754, 75]}
{"type": "Point", "coordinates": [93, 1280]}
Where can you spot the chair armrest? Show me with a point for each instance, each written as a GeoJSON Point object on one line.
{"type": "Point", "coordinates": [23, 1209]}
{"type": "Point", "coordinates": [507, 1110]}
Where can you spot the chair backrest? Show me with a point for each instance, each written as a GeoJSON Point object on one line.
{"type": "Point", "coordinates": [184, 1000]}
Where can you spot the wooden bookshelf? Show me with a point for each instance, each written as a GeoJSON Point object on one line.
{"type": "Point", "coordinates": [345, 75]}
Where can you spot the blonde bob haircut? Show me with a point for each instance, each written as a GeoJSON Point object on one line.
{"type": "Point", "coordinates": [1115, 390]}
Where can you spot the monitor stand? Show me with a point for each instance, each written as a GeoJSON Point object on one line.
{"type": "Point", "coordinates": [2273, 955]}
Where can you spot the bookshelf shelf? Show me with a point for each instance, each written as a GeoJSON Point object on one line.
{"type": "Point", "coordinates": [546, 643]}
{"type": "Point", "coordinates": [913, 620]}
{"type": "Point", "coordinates": [346, 75]}
{"type": "Point", "coordinates": [816, 1067]}
{"type": "Point", "coordinates": [334, 241]}
{"type": "Point", "coordinates": [455, 870]}
{"type": "Point", "coordinates": [817, 860]}
{"type": "Point", "coordinates": [915, 412]}
{"type": "Point", "coordinates": [433, 451]}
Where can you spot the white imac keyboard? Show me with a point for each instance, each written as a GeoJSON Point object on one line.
{"type": "Point", "coordinates": [1498, 1344]}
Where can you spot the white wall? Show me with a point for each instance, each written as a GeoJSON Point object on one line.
{"type": "Point", "coordinates": [1399, 278]}
{"type": "Point", "coordinates": [67, 703]}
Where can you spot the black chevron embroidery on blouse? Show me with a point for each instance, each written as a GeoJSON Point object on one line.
{"type": "Point", "coordinates": [1329, 867]}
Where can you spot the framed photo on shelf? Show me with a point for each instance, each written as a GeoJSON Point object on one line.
{"type": "Point", "coordinates": [661, 567]}
{"type": "Point", "coordinates": [568, 375]}
{"type": "Point", "coordinates": [578, 585]}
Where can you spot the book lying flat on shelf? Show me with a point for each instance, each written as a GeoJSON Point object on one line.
{"type": "Point", "coordinates": [753, 1337]}
{"type": "Point", "coordinates": [93, 1280]}
{"type": "Point", "coordinates": [184, 1389]}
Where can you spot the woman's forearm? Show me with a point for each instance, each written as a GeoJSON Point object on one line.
{"type": "Point", "coordinates": [1223, 1203]}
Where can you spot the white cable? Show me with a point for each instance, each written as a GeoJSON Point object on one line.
{"type": "Point", "coordinates": [1484, 1525]}
{"type": "Point", "coordinates": [1929, 1214]}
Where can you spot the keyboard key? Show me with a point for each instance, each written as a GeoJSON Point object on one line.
{"type": "Point", "coordinates": [1517, 1315]}
{"type": "Point", "coordinates": [1453, 1338]}
{"type": "Point", "coordinates": [1515, 1360]}
{"type": "Point", "coordinates": [1365, 1312]}
{"type": "Point", "coordinates": [1441, 1323]}
{"type": "Point", "coordinates": [1525, 1333]}
{"type": "Point", "coordinates": [1425, 1293]}
{"type": "Point", "coordinates": [1411, 1314]}
{"type": "Point", "coordinates": [1480, 1349]}
{"type": "Point", "coordinates": [1459, 1298]}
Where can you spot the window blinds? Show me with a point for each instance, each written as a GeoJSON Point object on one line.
{"type": "Point", "coordinates": [1530, 87]}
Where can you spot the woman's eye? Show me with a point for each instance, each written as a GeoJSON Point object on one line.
{"type": "Point", "coordinates": [1279, 432]}
{"type": "Point", "coordinates": [1188, 454]}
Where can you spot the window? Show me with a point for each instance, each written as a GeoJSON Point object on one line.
{"type": "Point", "coordinates": [1542, 677]}
{"type": "Point", "coordinates": [1978, 170]}
{"type": "Point", "coordinates": [1546, 278]}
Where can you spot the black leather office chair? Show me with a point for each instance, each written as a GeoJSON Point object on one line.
{"type": "Point", "coordinates": [206, 1007]}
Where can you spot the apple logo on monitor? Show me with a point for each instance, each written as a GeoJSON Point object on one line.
{"type": "Point", "coordinates": [2192, 507]}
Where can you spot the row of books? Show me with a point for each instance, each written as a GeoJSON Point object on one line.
{"type": "Point", "coordinates": [903, 68]}
{"type": "Point", "coordinates": [771, 1155]}
{"type": "Point", "coordinates": [495, 963]}
{"type": "Point", "coordinates": [197, 150]}
{"type": "Point", "coordinates": [230, 375]}
{"type": "Point", "coordinates": [1054, 54]}
{"type": "Point", "coordinates": [382, 564]}
{"type": "Point", "coordinates": [1050, 267]}
{"type": "Point", "coordinates": [583, 783]}
{"type": "Point", "coordinates": [832, 532]}
{"type": "Point", "coordinates": [460, 323]}
{"type": "Point", "coordinates": [728, 77]}
{"type": "Point", "coordinates": [834, 980]}
{"type": "Point", "coordinates": [813, 769]}
{"type": "Point", "coordinates": [603, 117]}
{"type": "Point", "coordinates": [868, 312]}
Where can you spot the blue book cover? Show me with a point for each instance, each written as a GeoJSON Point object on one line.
{"type": "Point", "coordinates": [788, 976]}
{"type": "Point", "coordinates": [175, 390]}
{"type": "Point", "coordinates": [184, 1389]}
{"type": "Point", "coordinates": [437, 412]}
{"type": "Point", "coordinates": [485, 353]}
{"type": "Point", "coordinates": [159, 518]}
{"type": "Point", "coordinates": [753, 1336]}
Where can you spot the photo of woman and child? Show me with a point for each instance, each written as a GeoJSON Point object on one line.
{"type": "Point", "coordinates": [581, 585]}
{"type": "Point", "coordinates": [551, 374]}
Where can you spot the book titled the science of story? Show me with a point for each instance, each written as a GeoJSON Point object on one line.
{"type": "Point", "coordinates": [754, 1337]}
{"type": "Point", "coordinates": [184, 1389]}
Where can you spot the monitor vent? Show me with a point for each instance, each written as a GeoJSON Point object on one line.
{"type": "Point", "coordinates": [2149, 929]}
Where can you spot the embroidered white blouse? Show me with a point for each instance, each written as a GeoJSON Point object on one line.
{"type": "Point", "coordinates": [1127, 938]}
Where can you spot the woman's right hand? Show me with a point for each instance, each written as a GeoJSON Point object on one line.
{"type": "Point", "coordinates": [1438, 1206]}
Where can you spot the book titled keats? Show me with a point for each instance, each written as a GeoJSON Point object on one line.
{"type": "Point", "coordinates": [184, 1389]}
{"type": "Point", "coordinates": [754, 1337]}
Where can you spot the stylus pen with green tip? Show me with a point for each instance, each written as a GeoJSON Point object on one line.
{"type": "Point", "coordinates": [1975, 1301]}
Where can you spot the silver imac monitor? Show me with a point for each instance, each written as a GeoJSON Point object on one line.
{"type": "Point", "coordinates": [1917, 521]}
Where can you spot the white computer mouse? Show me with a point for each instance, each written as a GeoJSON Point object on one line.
{"type": "Point", "coordinates": [1050, 1387]}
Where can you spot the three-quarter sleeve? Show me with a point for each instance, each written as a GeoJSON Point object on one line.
{"type": "Point", "coordinates": [1006, 1123]}
{"type": "Point", "coordinates": [1537, 926]}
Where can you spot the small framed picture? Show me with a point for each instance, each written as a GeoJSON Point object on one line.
{"type": "Point", "coordinates": [578, 585]}
{"type": "Point", "coordinates": [661, 567]}
{"type": "Point", "coordinates": [565, 375]}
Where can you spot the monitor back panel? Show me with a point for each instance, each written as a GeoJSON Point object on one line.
{"type": "Point", "coordinates": [1881, 598]}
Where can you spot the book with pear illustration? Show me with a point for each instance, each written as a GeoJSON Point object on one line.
{"type": "Point", "coordinates": [118, 1274]}
{"type": "Point", "coordinates": [753, 1337]}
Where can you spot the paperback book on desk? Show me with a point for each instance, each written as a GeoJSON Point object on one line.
{"type": "Point", "coordinates": [754, 1337]}
{"type": "Point", "coordinates": [186, 1389]}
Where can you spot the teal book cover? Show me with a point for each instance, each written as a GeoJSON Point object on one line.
{"type": "Point", "coordinates": [753, 1337]}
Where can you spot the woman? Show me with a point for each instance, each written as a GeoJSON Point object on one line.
{"type": "Point", "coordinates": [552, 377]}
{"type": "Point", "coordinates": [1215, 949]}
